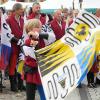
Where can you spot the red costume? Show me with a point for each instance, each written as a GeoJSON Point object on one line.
{"type": "Point", "coordinates": [17, 30]}
{"type": "Point", "coordinates": [58, 30]}
{"type": "Point", "coordinates": [0, 24]}
{"type": "Point", "coordinates": [94, 68]}
{"type": "Point", "coordinates": [31, 62]}
{"type": "Point", "coordinates": [42, 17]}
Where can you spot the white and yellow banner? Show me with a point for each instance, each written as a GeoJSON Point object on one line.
{"type": "Point", "coordinates": [64, 64]}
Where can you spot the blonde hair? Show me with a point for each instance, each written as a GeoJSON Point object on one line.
{"type": "Point", "coordinates": [32, 23]}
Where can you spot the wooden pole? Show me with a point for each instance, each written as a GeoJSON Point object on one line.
{"type": "Point", "coordinates": [80, 1]}
{"type": "Point", "coordinates": [73, 3]}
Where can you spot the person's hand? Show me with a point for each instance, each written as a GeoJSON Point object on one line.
{"type": "Point", "coordinates": [33, 43]}
{"type": "Point", "coordinates": [33, 35]}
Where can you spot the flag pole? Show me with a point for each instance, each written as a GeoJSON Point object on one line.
{"type": "Point", "coordinates": [80, 1]}
{"type": "Point", "coordinates": [73, 4]}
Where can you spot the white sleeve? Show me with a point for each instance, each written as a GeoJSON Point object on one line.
{"type": "Point", "coordinates": [29, 51]}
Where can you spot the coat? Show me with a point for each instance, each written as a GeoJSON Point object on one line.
{"type": "Point", "coordinates": [0, 25]}
{"type": "Point", "coordinates": [42, 17]}
{"type": "Point", "coordinates": [17, 31]}
{"type": "Point", "coordinates": [58, 30]}
{"type": "Point", "coordinates": [32, 63]}
{"type": "Point", "coordinates": [94, 68]}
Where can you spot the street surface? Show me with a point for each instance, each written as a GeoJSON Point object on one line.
{"type": "Point", "coordinates": [83, 93]}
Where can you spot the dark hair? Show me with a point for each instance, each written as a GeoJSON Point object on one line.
{"type": "Point", "coordinates": [3, 10]}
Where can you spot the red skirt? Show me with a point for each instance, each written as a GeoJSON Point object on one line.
{"type": "Point", "coordinates": [33, 78]}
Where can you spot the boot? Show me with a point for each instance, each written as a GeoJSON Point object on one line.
{"type": "Point", "coordinates": [21, 86]}
{"type": "Point", "coordinates": [13, 83]}
{"type": "Point", "coordinates": [30, 91]}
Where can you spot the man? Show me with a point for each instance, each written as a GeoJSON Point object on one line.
{"type": "Point", "coordinates": [94, 69]}
{"type": "Point", "coordinates": [36, 13]}
{"type": "Point", "coordinates": [58, 24]}
{"type": "Point", "coordinates": [98, 13]}
{"type": "Point", "coordinates": [16, 23]}
{"type": "Point", "coordinates": [75, 13]}
{"type": "Point", "coordinates": [0, 22]}
{"type": "Point", "coordinates": [65, 13]}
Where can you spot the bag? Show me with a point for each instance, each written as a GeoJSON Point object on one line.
{"type": "Point", "coordinates": [29, 69]}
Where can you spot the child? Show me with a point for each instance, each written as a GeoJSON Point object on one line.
{"type": "Point", "coordinates": [33, 81]}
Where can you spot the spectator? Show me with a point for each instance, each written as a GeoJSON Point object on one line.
{"type": "Point", "coordinates": [9, 13]}
{"type": "Point", "coordinates": [98, 74]}
{"type": "Point", "coordinates": [16, 23]}
{"type": "Point", "coordinates": [36, 13]}
{"type": "Point", "coordinates": [98, 13]}
{"type": "Point", "coordinates": [65, 16]}
{"type": "Point", "coordinates": [75, 13]}
{"type": "Point", "coordinates": [58, 24]}
{"type": "Point", "coordinates": [65, 13]}
{"type": "Point", "coordinates": [71, 17]}
{"type": "Point", "coordinates": [90, 75]}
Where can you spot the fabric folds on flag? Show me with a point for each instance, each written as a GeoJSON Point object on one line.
{"type": "Point", "coordinates": [65, 63]}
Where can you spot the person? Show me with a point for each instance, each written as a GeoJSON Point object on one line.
{"type": "Point", "coordinates": [98, 74]}
{"type": "Point", "coordinates": [1, 71]}
{"type": "Point", "coordinates": [16, 24]}
{"type": "Point", "coordinates": [0, 21]}
{"type": "Point", "coordinates": [32, 77]}
{"type": "Point", "coordinates": [35, 13]}
{"type": "Point", "coordinates": [9, 13]}
{"type": "Point", "coordinates": [75, 13]}
{"type": "Point", "coordinates": [65, 13]}
{"type": "Point", "coordinates": [97, 13]}
{"type": "Point", "coordinates": [58, 25]}
{"type": "Point", "coordinates": [0, 51]}
{"type": "Point", "coordinates": [70, 17]}
{"type": "Point", "coordinates": [90, 75]}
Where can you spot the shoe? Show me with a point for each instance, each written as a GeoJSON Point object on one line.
{"type": "Point", "coordinates": [3, 86]}
{"type": "Point", "coordinates": [90, 85]}
{"type": "Point", "coordinates": [13, 85]}
{"type": "Point", "coordinates": [79, 86]}
{"type": "Point", "coordinates": [94, 85]}
{"type": "Point", "coordinates": [22, 88]}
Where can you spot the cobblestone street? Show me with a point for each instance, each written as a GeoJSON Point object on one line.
{"type": "Point", "coordinates": [83, 93]}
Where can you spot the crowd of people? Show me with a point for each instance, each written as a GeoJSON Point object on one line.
{"type": "Point", "coordinates": [59, 21]}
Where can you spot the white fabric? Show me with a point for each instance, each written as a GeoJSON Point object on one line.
{"type": "Point", "coordinates": [6, 35]}
{"type": "Point", "coordinates": [46, 29]}
{"type": "Point", "coordinates": [98, 75]}
{"type": "Point", "coordinates": [29, 51]}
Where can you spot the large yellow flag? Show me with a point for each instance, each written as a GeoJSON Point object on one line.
{"type": "Point", "coordinates": [64, 64]}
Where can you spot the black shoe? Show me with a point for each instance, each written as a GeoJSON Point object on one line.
{"type": "Point", "coordinates": [3, 86]}
{"type": "Point", "coordinates": [91, 85]}
{"type": "Point", "coordinates": [22, 88]}
{"type": "Point", "coordinates": [94, 85]}
{"type": "Point", "coordinates": [13, 85]}
{"type": "Point", "coordinates": [79, 86]}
